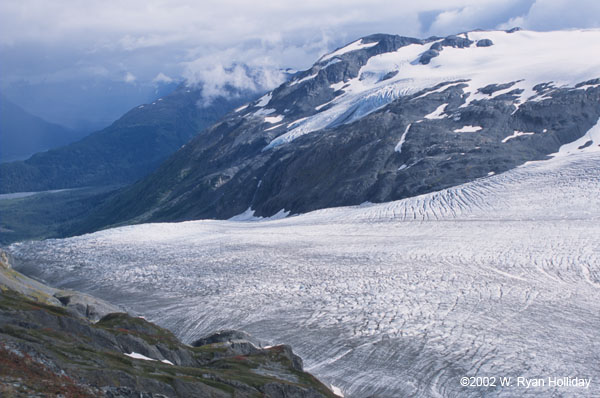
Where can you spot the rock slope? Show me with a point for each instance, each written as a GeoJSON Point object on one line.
{"type": "Point", "coordinates": [49, 348]}
{"type": "Point", "coordinates": [127, 150]}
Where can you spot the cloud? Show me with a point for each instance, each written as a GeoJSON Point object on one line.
{"type": "Point", "coordinates": [216, 41]}
{"type": "Point", "coordinates": [129, 77]}
{"type": "Point", "coordinates": [233, 72]}
{"type": "Point", "coordinates": [162, 78]}
{"type": "Point", "coordinates": [481, 15]}
{"type": "Point", "coordinates": [559, 14]}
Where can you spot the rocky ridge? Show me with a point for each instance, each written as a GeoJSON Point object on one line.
{"type": "Point", "coordinates": [50, 346]}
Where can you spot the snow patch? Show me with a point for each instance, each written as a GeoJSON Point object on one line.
{"type": "Point", "coordinates": [274, 127]}
{"type": "Point", "coordinates": [297, 122]}
{"type": "Point", "coordinates": [309, 77]}
{"type": "Point", "coordinates": [438, 113]}
{"type": "Point", "coordinates": [332, 62]}
{"type": "Point", "coordinates": [241, 108]}
{"type": "Point", "coordinates": [357, 45]}
{"type": "Point", "coordinates": [517, 134]}
{"type": "Point", "coordinates": [337, 391]}
{"type": "Point", "coordinates": [468, 129]}
{"type": "Point", "coordinates": [136, 355]}
{"type": "Point", "coordinates": [273, 119]}
{"type": "Point", "coordinates": [401, 142]}
{"type": "Point", "coordinates": [264, 100]}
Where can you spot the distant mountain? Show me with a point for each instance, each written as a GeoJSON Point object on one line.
{"type": "Point", "coordinates": [127, 150]}
{"type": "Point", "coordinates": [23, 134]}
{"type": "Point", "coordinates": [383, 118]}
{"type": "Point", "coordinates": [85, 103]}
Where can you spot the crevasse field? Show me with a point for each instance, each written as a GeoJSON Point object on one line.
{"type": "Point", "coordinates": [499, 277]}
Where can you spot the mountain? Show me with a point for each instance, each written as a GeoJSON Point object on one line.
{"type": "Point", "coordinates": [127, 150]}
{"type": "Point", "coordinates": [85, 103]}
{"type": "Point", "coordinates": [23, 134]}
{"type": "Point", "coordinates": [383, 118]}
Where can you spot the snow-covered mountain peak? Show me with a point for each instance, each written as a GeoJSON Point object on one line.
{"type": "Point", "coordinates": [369, 73]}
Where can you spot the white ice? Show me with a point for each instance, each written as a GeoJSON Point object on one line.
{"type": "Point", "coordinates": [497, 277]}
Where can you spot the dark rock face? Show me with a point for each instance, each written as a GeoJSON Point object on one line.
{"type": "Point", "coordinates": [492, 88]}
{"type": "Point", "coordinates": [485, 43]}
{"type": "Point", "coordinates": [45, 348]}
{"type": "Point", "coordinates": [225, 336]}
{"type": "Point", "coordinates": [428, 55]}
{"type": "Point", "coordinates": [450, 41]}
{"type": "Point", "coordinates": [456, 41]}
{"type": "Point", "coordinates": [233, 165]}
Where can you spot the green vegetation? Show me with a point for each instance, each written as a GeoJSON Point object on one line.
{"type": "Point", "coordinates": [44, 348]}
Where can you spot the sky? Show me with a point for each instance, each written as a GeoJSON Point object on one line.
{"type": "Point", "coordinates": [113, 51]}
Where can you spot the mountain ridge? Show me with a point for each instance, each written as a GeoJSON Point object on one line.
{"type": "Point", "coordinates": [22, 134]}
{"type": "Point", "coordinates": [378, 120]}
{"type": "Point", "coordinates": [125, 151]}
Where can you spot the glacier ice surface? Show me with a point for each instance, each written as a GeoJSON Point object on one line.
{"type": "Point", "coordinates": [497, 277]}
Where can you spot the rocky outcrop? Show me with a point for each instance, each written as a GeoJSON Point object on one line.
{"type": "Point", "coordinates": [50, 347]}
{"type": "Point", "coordinates": [76, 303]}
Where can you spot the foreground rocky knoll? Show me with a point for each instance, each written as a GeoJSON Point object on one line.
{"type": "Point", "coordinates": [51, 347]}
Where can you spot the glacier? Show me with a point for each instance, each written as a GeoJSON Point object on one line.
{"type": "Point", "coordinates": [499, 277]}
